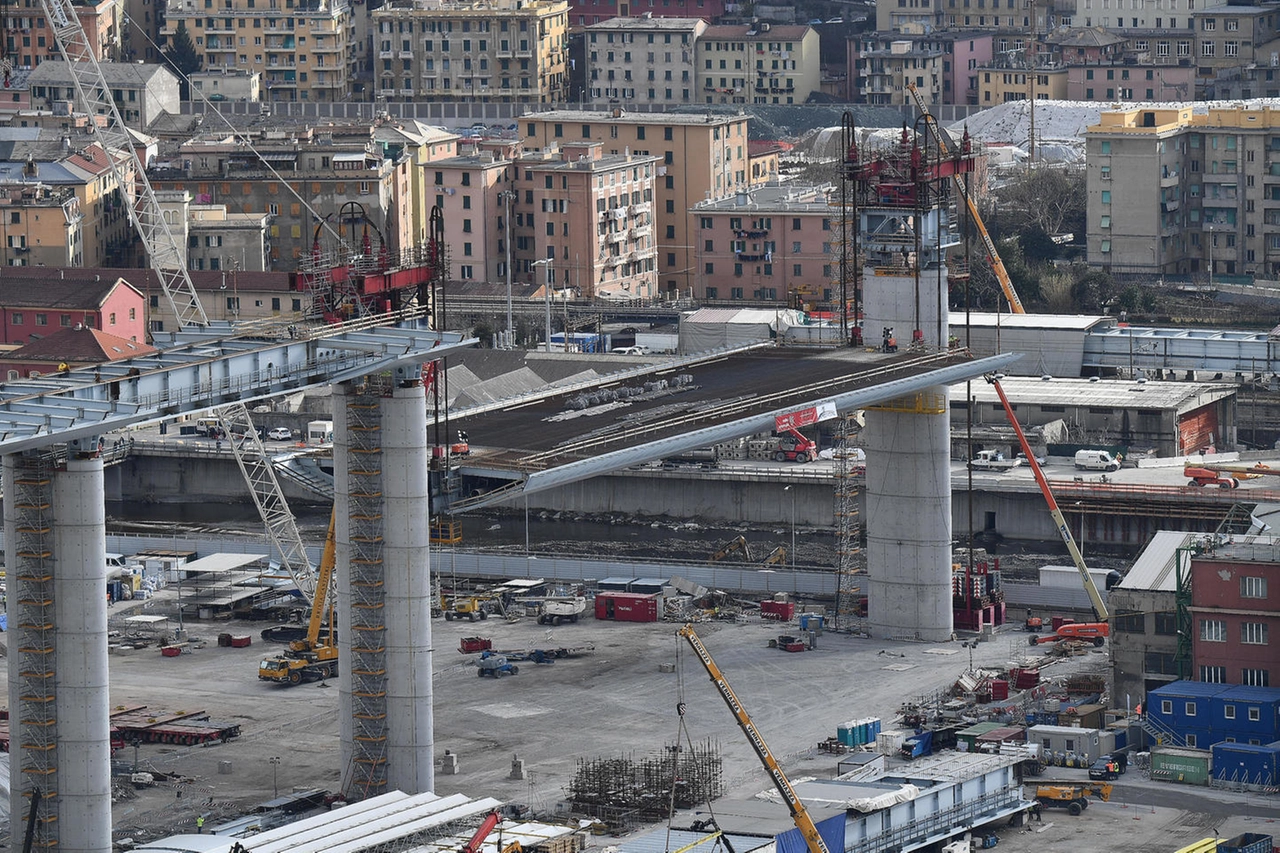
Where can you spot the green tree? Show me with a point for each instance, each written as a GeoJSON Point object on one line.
{"type": "Point", "coordinates": [182, 57]}
{"type": "Point", "coordinates": [1037, 245]}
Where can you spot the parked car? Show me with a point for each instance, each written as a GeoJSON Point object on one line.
{"type": "Point", "coordinates": [280, 434]}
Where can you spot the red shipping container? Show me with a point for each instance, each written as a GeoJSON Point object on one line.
{"type": "Point", "coordinates": [627, 606]}
{"type": "Point", "coordinates": [999, 690]}
{"type": "Point", "coordinates": [781, 610]}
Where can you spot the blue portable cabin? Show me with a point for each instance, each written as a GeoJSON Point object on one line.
{"type": "Point", "coordinates": [1183, 705]}
{"type": "Point", "coordinates": [1246, 714]}
{"type": "Point", "coordinates": [618, 584]}
{"type": "Point", "coordinates": [1247, 763]}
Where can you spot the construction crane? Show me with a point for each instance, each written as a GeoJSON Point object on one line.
{"type": "Point", "coordinates": [93, 94]}
{"type": "Point", "coordinates": [1002, 274]}
{"type": "Point", "coordinates": [311, 658]}
{"type": "Point", "coordinates": [799, 814]}
{"type": "Point", "coordinates": [1097, 629]}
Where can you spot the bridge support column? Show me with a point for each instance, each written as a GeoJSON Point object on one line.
{"type": "Point", "coordinates": [59, 701]}
{"type": "Point", "coordinates": [381, 460]}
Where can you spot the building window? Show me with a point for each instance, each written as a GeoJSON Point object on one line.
{"type": "Point", "coordinates": [1106, 221]}
{"type": "Point", "coordinates": [1191, 741]}
{"type": "Point", "coordinates": [1228, 711]}
{"type": "Point", "coordinates": [1106, 147]}
{"type": "Point", "coordinates": [1215, 675]}
{"type": "Point", "coordinates": [65, 320]}
{"type": "Point", "coordinates": [1253, 587]}
{"type": "Point", "coordinates": [709, 268]}
{"type": "Point", "coordinates": [42, 319]}
{"type": "Point", "coordinates": [1129, 622]}
{"type": "Point", "coordinates": [1166, 707]}
{"type": "Point", "coordinates": [1253, 633]}
{"type": "Point", "coordinates": [1189, 709]}
{"type": "Point", "coordinates": [15, 318]}
{"type": "Point", "coordinates": [1167, 623]}
{"type": "Point", "coordinates": [1213, 631]}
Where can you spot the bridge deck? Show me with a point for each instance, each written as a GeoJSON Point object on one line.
{"type": "Point", "coordinates": [550, 432]}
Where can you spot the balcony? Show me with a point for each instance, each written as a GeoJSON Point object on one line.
{"type": "Point", "coordinates": [386, 54]}
{"type": "Point", "coordinates": [405, 54]}
{"type": "Point", "coordinates": [1170, 180]}
{"type": "Point", "coordinates": [326, 48]}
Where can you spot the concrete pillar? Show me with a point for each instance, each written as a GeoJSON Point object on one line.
{"type": "Point", "coordinates": [406, 457]}
{"type": "Point", "coordinates": [908, 519]}
{"type": "Point", "coordinates": [404, 689]}
{"type": "Point", "coordinates": [72, 629]}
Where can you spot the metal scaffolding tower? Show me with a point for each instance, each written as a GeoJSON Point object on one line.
{"type": "Point", "coordinates": [368, 594]}
{"type": "Point", "coordinates": [35, 639]}
{"type": "Point", "coordinates": [848, 528]}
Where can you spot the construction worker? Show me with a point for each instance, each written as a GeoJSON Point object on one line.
{"type": "Point", "coordinates": [199, 824]}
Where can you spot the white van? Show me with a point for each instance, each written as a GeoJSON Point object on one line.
{"type": "Point", "coordinates": [1096, 460]}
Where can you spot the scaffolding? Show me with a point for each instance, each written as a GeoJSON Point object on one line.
{"type": "Point", "coordinates": [848, 529]}
{"type": "Point", "coordinates": [368, 594]}
{"type": "Point", "coordinates": [35, 638]}
{"type": "Point", "coordinates": [624, 791]}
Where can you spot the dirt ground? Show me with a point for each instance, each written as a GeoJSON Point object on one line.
{"type": "Point", "coordinates": [613, 702]}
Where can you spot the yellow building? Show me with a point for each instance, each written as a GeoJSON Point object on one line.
{"type": "Point", "coordinates": [758, 64]}
{"type": "Point", "coordinates": [701, 156]}
{"type": "Point", "coordinates": [39, 226]}
{"type": "Point", "coordinates": [305, 51]}
{"type": "Point", "coordinates": [998, 85]}
{"type": "Point", "coordinates": [507, 51]}
{"type": "Point", "coordinates": [31, 40]}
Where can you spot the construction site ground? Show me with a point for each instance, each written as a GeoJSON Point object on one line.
{"type": "Point", "coordinates": [613, 702]}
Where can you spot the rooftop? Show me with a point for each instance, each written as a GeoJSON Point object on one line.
{"type": "Point", "coordinates": [647, 23]}
{"type": "Point", "coordinates": [765, 31]}
{"type": "Point", "coordinates": [624, 117]}
{"type": "Point", "coordinates": [1048, 322]}
{"type": "Point", "coordinates": [1101, 393]}
{"type": "Point", "coordinates": [80, 290]}
{"type": "Point", "coordinates": [123, 74]}
{"type": "Point", "coordinates": [781, 199]}
{"type": "Point", "coordinates": [80, 344]}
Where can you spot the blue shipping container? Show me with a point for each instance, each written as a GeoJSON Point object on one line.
{"type": "Point", "coordinates": [1183, 705]}
{"type": "Point", "coordinates": [1247, 764]}
{"type": "Point", "coordinates": [1250, 842]}
{"type": "Point", "coordinates": [1247, 713]}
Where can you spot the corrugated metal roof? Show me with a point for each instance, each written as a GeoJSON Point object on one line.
{"type": "Point", "coordinates": [1155, 567]}
{"type": "Point", "coordinates": [221, 562]}
{"type": "Point", "coordinates": [659, 842]}
{"type": "Point", "coordinates": [1102, 393]}
{"type": "Point", "coordinates": [1056, 322]}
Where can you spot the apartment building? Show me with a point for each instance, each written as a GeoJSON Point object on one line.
{"type": "Point", "coordinates": [508, 51]}
{"type": "Point", "coordinates": [305, 50]}
{"type": "Point", "coordinates": [758, 63]}
{"type": "Point", "coordinates": [31, 39]}
{"type": "Point", "coordinates": [700, 157]}
{"type": "Point", "coordinates": [876, 70]}
{"type": "Point", "coordinates": [38, 302]}
{"type": "Point", "coordinates": [40, 225]}
{"type": "Point", "coordinates": [768, 244]}
{"type": "Point", "coordinates": [1235, 590]}
{"type": "Point", "coordinates": [142, 93]}
{"type": "Point", "coordinates": [584, 13]}
{"type": "Point", "coordinates": [999, 84]}
{"type": "Point", "coordinates": [227, 84]}
{"type": "Point", "coordinates": [467, 188]}
{"type": "Point", "coordinates": [1123, 81]}
{"type": "Point", "coordinates": [210, 237]}
{"type": "Point", "coordinates": [338, 171]}
{"type": "Point", "coordinates": [910, 16]}
{"type": "Point", "coordinates": [422, 144]}
{"type": "Point", "coordinates": [883, 75]}
{"type": "Point", "coordinates": [644, 60]}
{"type": "Point", "coordinates": [592, 220]}
{"type": "Point", "coordinates": [1169, 191]}
{"type": "Point", "coordinates": [1232, 37]}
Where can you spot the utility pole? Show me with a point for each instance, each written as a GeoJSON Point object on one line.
{"type": "Point", "coordinates": [507, 197]}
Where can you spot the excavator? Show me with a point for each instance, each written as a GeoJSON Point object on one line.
{"type": "Point", "coordinates": [734, 545]}
{"type": "Point", "coordinates": [1099, 629]}
{"type": "Point", "coordinates": [799, 814]}
{"type": "Point", "coordinates": [993, 256]}
{"type": "Point", "coordinates": [312, 658]}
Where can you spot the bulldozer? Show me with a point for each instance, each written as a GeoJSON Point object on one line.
{"type": "Point", "coordinates": [1072, 796]}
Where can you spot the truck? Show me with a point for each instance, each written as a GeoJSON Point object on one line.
{"type": "Point", "coordinates": [993, 460]}
{"type": "Point", "coordinates": [312, 658]}
{"type": "Point", "coordinates": [554, 611]}
{"type": "Point", "coordinates": [790, 446]}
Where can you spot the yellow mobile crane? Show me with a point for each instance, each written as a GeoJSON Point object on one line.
{"type": "Point", "coordinates": [799, 814]}
{"type": "Point", "coordinates": [1002, 275]}
{"type": "Point", "coordinates": [311, 658]}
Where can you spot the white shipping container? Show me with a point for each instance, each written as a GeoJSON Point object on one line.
{"type": "Point", "coordinates": [1069, 576]}
{"type": "Point", "coordinates": [888, 743]}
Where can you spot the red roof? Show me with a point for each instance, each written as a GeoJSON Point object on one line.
{"type": "Point", "coordinates": [78, 346]}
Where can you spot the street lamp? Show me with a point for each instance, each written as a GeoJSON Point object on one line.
{"type": "Point", "coordinates": [508, 196]}
{"type": "Point", "coordinates": [546, 287]}
{"type": "Point", "coordinates": [1080, 505]}
{"type": "Point", "coordinates": [275, 784]}
{"type": "Point", "coordinates": [793, 525]}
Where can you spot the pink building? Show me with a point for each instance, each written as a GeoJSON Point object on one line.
{"type": "Point", "coordinates": [1120, 82]}
{"type": "Point", "coordinates": [1235, 598]}
{"type": "Point", "coordinates": [36, 307]}
{"type": "Point", "coordinates": [593, 219]}
{"type": "Point", "coordinates": [766, 245]}
{"type": "Point", "coordinates": [467, 190]}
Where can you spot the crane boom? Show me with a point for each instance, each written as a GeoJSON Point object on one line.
{"type": "Point", "coordinates": [93, 94]}
{"type": "Point", "coordinates": [799, 814]}
{"type": "Point", "coordinates": [997, 265]}
{"type": "Point", "coordinates": [1100, 612]}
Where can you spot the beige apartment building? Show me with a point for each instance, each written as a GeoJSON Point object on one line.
{"type": "Point", "coordinates": [39, 226]}
{"type": "Point", "coordinates": [644, 60]}
{"type": "Point", "coordinates": [1173, 192]}
{"type": "Point", "coordinates": [468, 191]}
{"type": "Point", "coordinates": [593, 220]}
{"type": "Point", "coordinates": [700, 157]}
{"type": "Point", "coordinates": [506, 51]}
{"type": "Point", "coordinates": [883, 75]}
{"type": "Point", "coordinates": [30, 39]}
{"type": "Point", "coordinates": [1001, 84]}
{"type": "Point", "coordinates": [304, 50]}
{"type": "Point", "coordinates": [758, 63]}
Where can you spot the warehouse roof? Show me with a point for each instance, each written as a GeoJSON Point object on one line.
{"type": "Point", "coordinates": [1053, 322]}
{"type": "Point", "coordinates": [1099, 393]}
{"type": "Point", "coordinates": [1155, 568]}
